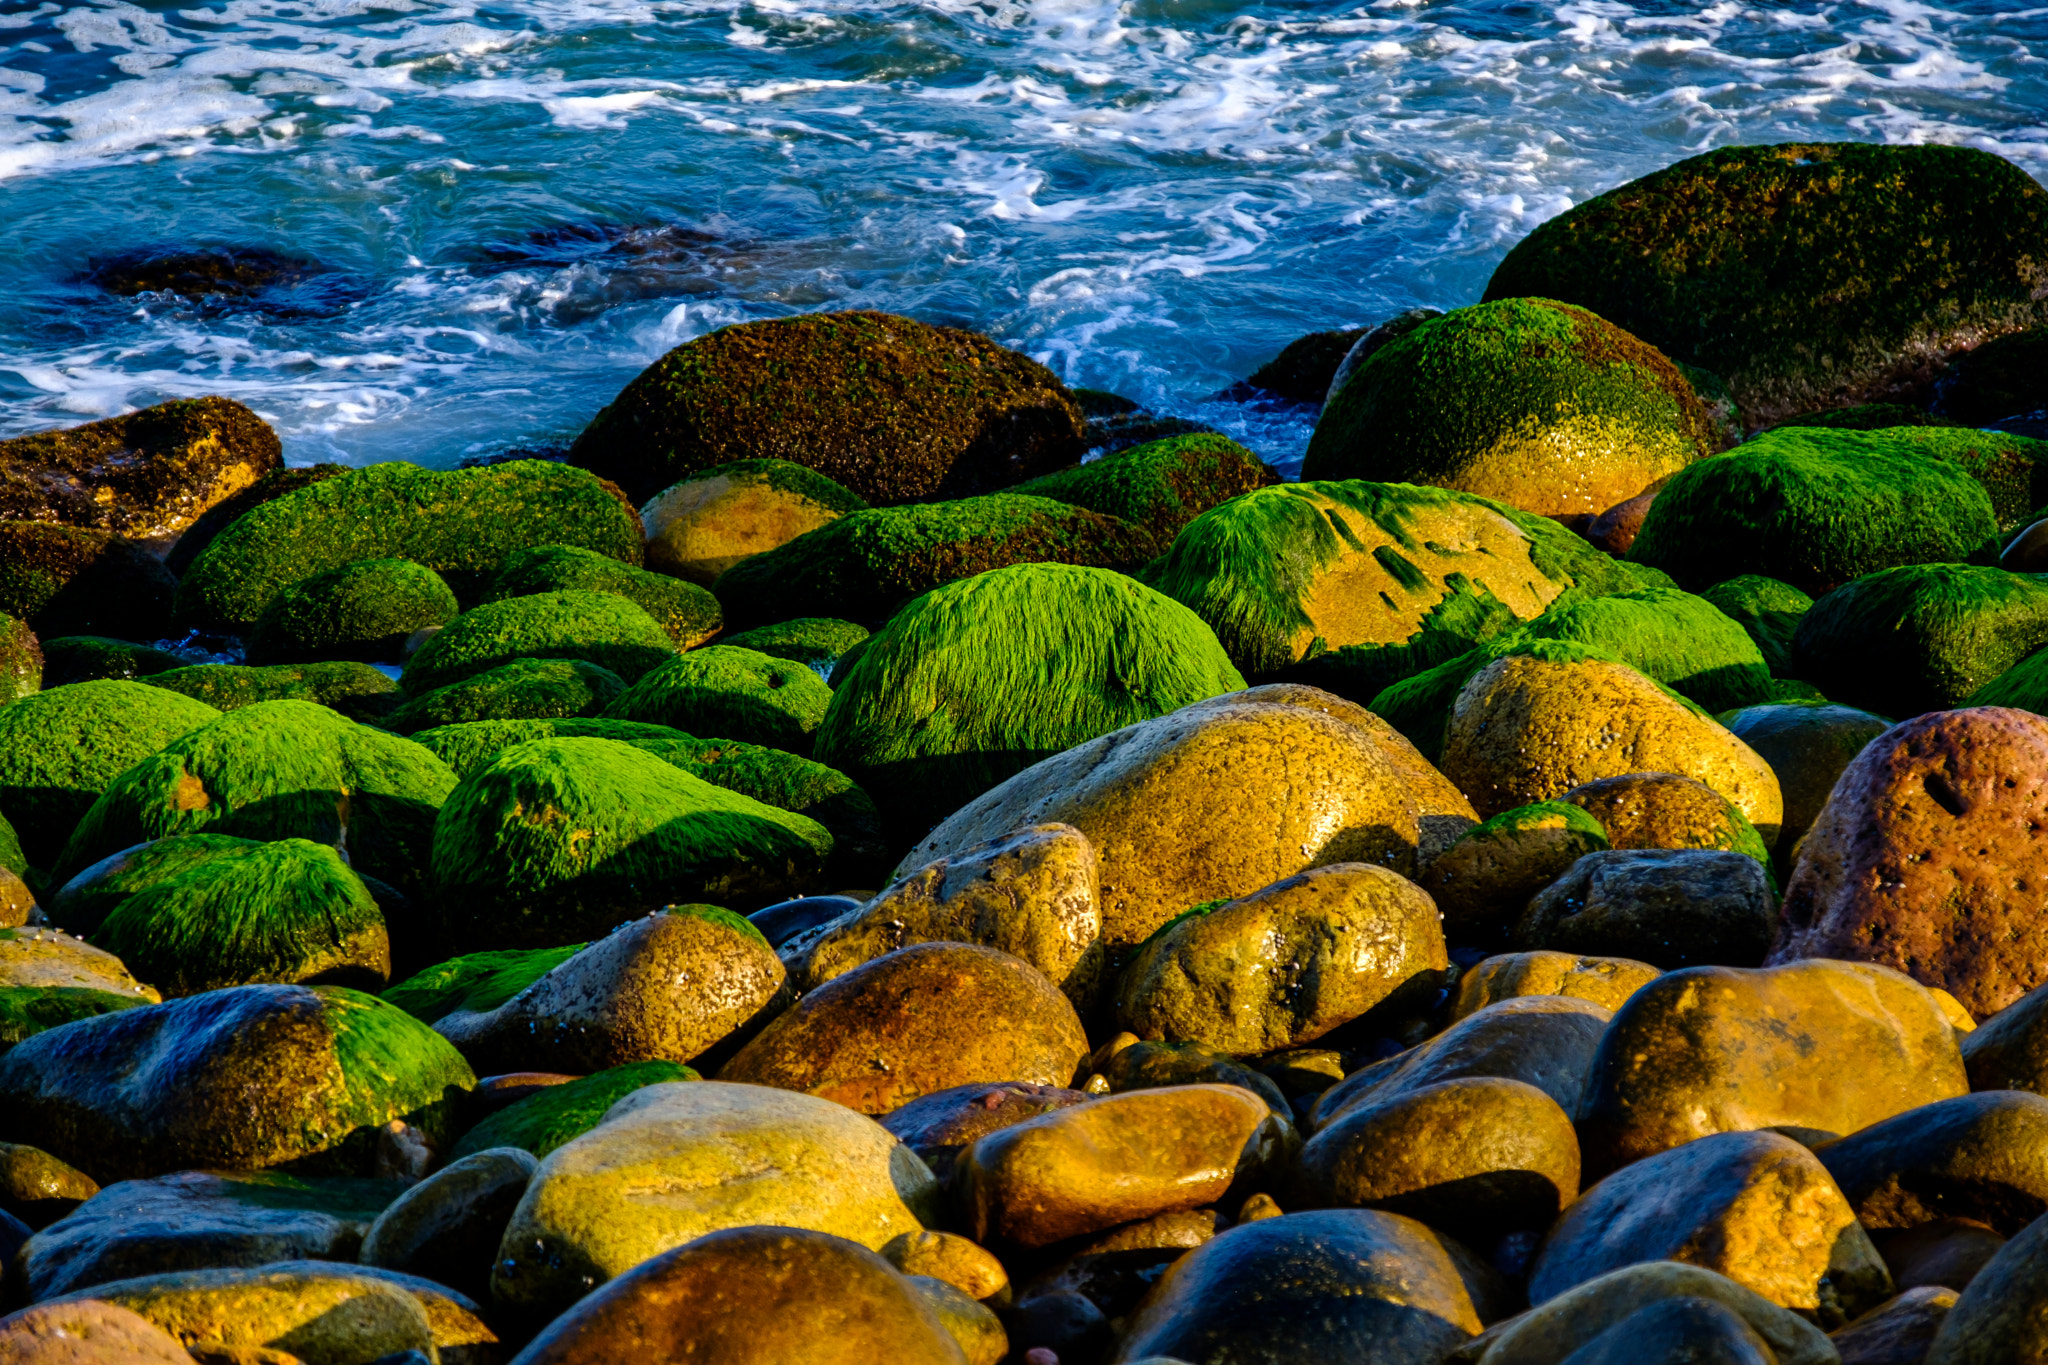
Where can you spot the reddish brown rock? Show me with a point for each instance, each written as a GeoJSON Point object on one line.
{"type": "Point", "coordinates": [1615, 529]}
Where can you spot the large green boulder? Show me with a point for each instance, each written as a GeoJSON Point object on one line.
{"type": "Point", "coordinates": [1809, 275]}
{"type": "Point", "coordinates": [544, 1121]}
{"type": "Point", "coordinates": [726, 692]}
{"type": "Point", "coordinates": [890, 408]}
{"type": "Point", "coordinates": [90, 658]}
{"type": "Point", "coordinates": [818, 641]}
{"type": "Point", "coordinates": [277, 770]}
{"type": "Point", "coordinates": [560, 839]}
{"type": "Point", "coordinates": [460, 523]}
{"type": "Point", "coordinates": [2012, 469]}
{"type": "Point", "coordinates": [229, 510]}
{"type": "Point", "coordinates": [2024, 686]}
{"type": "Point", "coordinates": [1298, 570]}
{"type": "Point", "coordinates": [21, 659]}
{"type": "Point", "coordinates": [357, 690]}
{"type": "Point", "coordinates": [366, 610]}
{"type": "Point", "coordinates": [84, 903]}
{"type": "Point", "coordinates": [598, 627]}
{"type": "Point", "coordinates": [1769, 610]}
{"type": "Point", "coordinates": [69, 580]}
{"type": "Point", "coordinates": [241, 1079]}
{"type": "Point", "coordinates": [524, 689]}
{"type": "Point", "coordinates": [687, 612]}
{"type": "Point", "coordinates": [290, 911]}
{"type": "Point", "coordinates": [1538, 404]}
{"type": "Point", "coordinates": [866, 564]}
{"type": "Point", "coordinates": [976, 681]}
{"type": "Point", "coordinates": [1160, 485]}
{"type": "Point", "coordinates": [1922, 637]}
{"type": "Point", "coordinates": [61, 748]}
{"type": "Point", "coordinates": [2005, 377]}
{"type": "Point", "coordinates": [1815, 509]}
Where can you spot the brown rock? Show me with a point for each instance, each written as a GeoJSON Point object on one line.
{"type": "Point", "coordinates": [921, 1019]}
{"type": "Point", "coordinates": [1756, 1207]}
{"type": "Point", "coordinates": [1670, 907]}
{"type": "Point", "coordinates": [1725, 1049]}
{"type": "Point", "coordinates": [1899, 1331]}
{"type": "Point", "coordinates": [949, 1257]}
{"type": "Point", "coordinates": [1615, 529]}
{"type": "Point", "coordinates": [1606, 981]}
{"type": "Point", "coordinates": [86, 1333]}
{"type": "Point", "coordinates": [1552, 1331]}
{"type": "Point", "coordinates": [39, 1189]}
{"type": "Point", "coordinates": [1944, 1254]}
{"type": "Point", "coordinates": [974, 1328]}
{"type": "Point", "coordinates": [941, 1126]}
{"type": "Point", "coordinates": [2002, 1318]}
{"type": "Point", "coordinates": [17, 902]}
{"type": "Point", "coordinates": [699, 528]}
{"type": "Point", "coordinates": [1931, 856]}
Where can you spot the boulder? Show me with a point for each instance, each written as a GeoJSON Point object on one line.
{"type": "Point", "coordinates": [21, 660]}
{"type": "Point", "coordinates": [2012, 469]}
{"type": "Point", "coordinates": [685, 611]}
{"type": "Point", "coordinates": [1550, 1332]}
{"type": "Point", "coordinates": [86, 1332]}
{"type": "Point", "coordinates": [1667, 907]}
{"type": "Point", "coordinates": [923, 1018]}
{"type": "Point", "coordinates": [49, 958]}
{"type": "Point", "coordinates": [951, 1259]}
{"type": "Point", "coordinates": [556, 1114]}
{"type": "Point", "coordinates": [1135, 1065]}
{"type": "Point", "coordinates": [1981, 1157]}
{"type": "Point", "coordinates": [1807, 744]}
{"type": "Point", "coordinates": [239, 1079]}
{"type": "Point", "coordinates": [448, 1227]}
{"type": "Point", "coordinates": [1947, 1253]}
{"type": "Point", "coordinates": [1159, 486]}
{"type": "Point", "coordinates": [1558, 411]}
{"type": "Point", "coordinates": [1664, 810]}
{"type": "Point", "coordinates": [366, 610]}
{"type": "Point", "coordinates": [1683, 1331]}
{"type": "Point", "coordinates": [1866, 267]}
{"type": "Point", "coordinates": [229, 510]}
{"type": "Point", "coordinates": [2003, 1316]}
{"type": "Point", "coordinates": [1999, 379]}
{"type": "Point", "coordinates": [1723, 1049]}
{"type": "Point", "coordinates": [357, 690]}
{"type": "Point", "coordinates": [39, 1189]}
{"type": "Point", "coordinates": [1756, 1207]}
{"type": "Point", "coordinates": [942, 1126]}
{"type": "Point", "coordinates": [1766, 608]}
{"type": "Point", "coordinates": [1899, 1332]}
{"type": "Point", "coordinates": [28, 1010]}
{"type": "Point", "coordinates": [1484, 880]}
{"type": "Point", "coordinates": [2024, 686]}
{"type": "Point", "coordinates": [1221, 798]}
{"type": "Point", "coordinates": [730, 693]}
{"type": "Point", "coordinates": [1930, 857]}
{"type": "Point", "coordinates": [700, 527]}
{"type": "Point", "coordinates": [597, 627]}
{"type": "Point", "coordinates": [1615, 529]}
{"type": "Point", "coordinates": [818, 642]}
{"type": "Point", "coordinates": [670, 1163]}
{"type": "Point", "coordinates": [1682, 641]}
{"type": "Point", "coordinates": [524, 689]}
{"type": "Point", "coordinates": [1287, 964]}
{"type": "Point", "coordinates": [69, 580]}
{"type": "Point", "coordinates": [1606, 981]}
{"type": "Point", "coordinates": [1303, 370]}
{"type": "Point", "coordinates": [91, 658]}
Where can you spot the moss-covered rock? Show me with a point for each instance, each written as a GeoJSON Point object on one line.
{"type": "Point", "coordinates": [2024, 686]}
{"type": "Point", "coordinates": [1161, 485]}
{"type": "Point", "coordinates": [61, 748]}
{"type": "Point", "coordinates": [356, 690]}
{"type": "Point", "coordinates": [2005, 377]}
{"type": "Point", "coordinates": [1814, 509]}
{"type": "Point", "coordinates": [1768, 609]}
{"type": "Point", "coordinates": [1680, 640]}
{"type": "Point", "coordinates": [1538, 404]}
{"type": "Point", "coordinates": [727, 692]}
{"type": "Point", "coordinates": [598, 627]}
{"type": "Point", "coordinates": [1300, 569]}
{"type": "Point", "coordinates": [1810, 275]}
{"type": "Point", "coordinates": [1484, 879]}
{"type": "Point", "coordinates": [223, 514]}
{"type": "Point", "coordinates": [21, 660]}
{"type": "Point", "coordinates": [84, 902]}
{"type": "Point", "coordinates": [1868, 417]}
{"type": "Point", "coordinates": [1664, 810]}
{"type": "Point", "coordinates": [687, 612]}
{"type": "Point", "coordinates": [1922, 637]}
{"type": "Point", "coordinates": [71, 580]}
{"type": "Point", "coordinates": [145, 474]}
{"type": "Point", "coordinates": [460, 523]}
{"type": "Point", "coordinates": [28, 1010]}
{"type": "Point", "coordinates": [813, 640]}
{"type": "Point", "coordinates": [91, 658]}
{"type": "Point", "coordinates": [366, 610]}
{"type": "Point", "coordinates": [524, 689]}
{"type": "Point", "coordinates": [2012, 469]}
{"type": "Point", "coordinates": [544, 1121]}
{"type": "Point", "coordinates": [889, 408]}
{"type": "Point", "coordinates": [475, 983]}
{"type": "Point", "coordinates": [277, 770]}
{"type": "Point", "coordinates": [978, 680]}
{"type": "Point", "coordinates": [560, 839]}
{"type": "Point", "coordinates": [866, 565]}
{"type": "Point", "coordinates": [288, 911]}
{"type": "Point", "coordinates": [702, 526]}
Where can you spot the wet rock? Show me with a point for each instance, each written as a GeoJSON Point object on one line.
{"type": "Point", "coordinates": [702, 526]}
{"type": "Point", "coordinates": [1287, 964]}
{"type": "Point", "coordinates": [560, 1108]}
{"type": "Point", "coordinates": [39, 1189]}
{"type": "Point", "coordinates": [1682, 1331]}
{"type": "Point", "coordinates": [50, 958]}
{"type": "Point", "coordinates": [1614, 530]}
{"type": "Point", "coordinates": [1133, 1065]}
{"type": "Point", "coordinates": [1982, 1157]}
{"type": "Point", "coordinates": [686, 613]}
{"type": "Point", "coordinates": [973, 1326]}
{"type": "Point", "coordinates": [1302, 372]}
{"type": "Point", "coordinates": [2003, 1315]}
{"type": "Point", "coordinates": [448, 1226]}
{"type": "Point", "coordinates": [1553, 1330]}
{"type": "Point", "coordinates": [1606, 981]}
{"type": "Point", "coordinates": [941, 1126]}
{"type": "Point", "coordinates": [1669, 907]}
{"type": "Point", "coordinates": [1899, 1332]}
{"type": "Point", "coordinates": [86, 1333]}
{"type": "Point", "coordinates": [2009, 1051]}
{"type": "Point", "coordinates": [1664, 810]}
{"type": "Point", "coordinates": [1484, 880]}
{"type": "Point", "coordinates": [1807, 744]}
{"type": "Point", "coordinates": [951, 1258]}
{"type": "Point", "coordinates": [75, 580]}
{"type": "Point", "coordinates": [1946, 1253]}
{"type": "Point", "coordinates": [784, 922]}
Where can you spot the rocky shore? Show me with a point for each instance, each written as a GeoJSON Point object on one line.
{"type": "Point", "coordinates": [873, 855]}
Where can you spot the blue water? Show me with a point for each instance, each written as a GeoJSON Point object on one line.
{"type": "Point", "coordinates": [522, 203]}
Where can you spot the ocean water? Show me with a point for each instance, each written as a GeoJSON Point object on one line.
{"type": "Point", "coordinates": [509, 208]}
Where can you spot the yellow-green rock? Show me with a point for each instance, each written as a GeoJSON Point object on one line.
{"type": "Point", "coordinates": [1606, 981]}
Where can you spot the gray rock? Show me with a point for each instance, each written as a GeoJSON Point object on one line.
{"type": "Point", "coordinates": [1669, 907]}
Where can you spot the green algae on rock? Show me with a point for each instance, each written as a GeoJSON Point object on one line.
{"type": "Point", "coordinates": [1532, 402]}
{"type": "Point", "coordinates": [460, 523]}
{"type": "Point", "coordinates": [889, 408]}
{"type": "Point", "coordinates": [93, 658]}
{"type": "Point", "coordinates": [1814, 509]}
{"type": "Point", "coordinates": [1768, 609]}
{"type": "Point", "coordinates": [598, 627]}
{"type": "Point", "coordinates": [364, 611]}
{"type": "Point", "coordinates": [687, 612]}
{"type": "Point", "coordinates": [542, 1122]}
{"type": "Point", "coordinates": [524, 689]}
{"type": "Point", "coordinates": [813, 640]}
{"type": "Point", "coordinates": [72, 580]}
{"type": "Point", "coordinates": [225, 513]}
{"type": "Point", "coordinates": [475, 983]}
{"type": "Point", "coordinates": [1868, 417]}
{"type": "Point", "coordinates": [28, 1010]}
{"type": "Point", "coordinates": [1810, 275]}
{"type": "Point", "coordinates": [21, 660]}
{"type": "Point", "coordinates": [1160, 485]}
{"type": "Point", "coordinates": [867, 564]}
{"type": "Point", "coordinates": [726, 692]}
{"type": "Point", "coordinates": [145, 474]}
{"type": "Point", "coordinates": [2012, 469]}
{"type": "Point", "coordinates": [978, 680]}
{"type": "Point", "coordinates": [2023, 686]}
{"type": "Point", "coordinates": [356, 690]}
{"type": "Point", "coordinates": [59, 749]}
{"type": "Point", "coordinates": [702, 526]}
{"type": "Point", "coordinates": [84, 902]}
{"type": "Point", "coordinates": [1681, 641]}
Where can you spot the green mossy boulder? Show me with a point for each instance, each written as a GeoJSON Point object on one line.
{"type": "Point", "coordinates": [1161, 485]}
{"type": "Point", "coordinates": [84, 903]}
{"type": "Point", "coordinates": [1814, 509]}
{"type": "Point", "coordinates": [866, 565]}
{"type": "Point", "coordinates": [11, 856]}
{"type": "Point", "coordinates": [725, 692]}
{"type": "Point", "coordinates": [1680, 640]}
{"type": "Point", "coordinates": [21, 660]}
{"type": "Point", "coordinates": [146, 474]}
{"type": "Point", "coordinates": [2005, 377]}
{"type": "Point", "coordinates": [225, 513]}
{"type": "Point", "coordinates": [688, 613]}
{"type": "Point", "coordinates": [91, 658]}
{"type": "Point", "coordinates": [28, 1010]}
{"type": "Point", "coordinates": [289, 911]}
{"type": "Point", "coordinates": [460, 523]}
{"type": "Point", "coordinates": [2024, 686]}
{"type": "Point", "coordinates": [813, 640]}
{"type": "Point", "coordinates": [1482, 882]}
{"type": "Point", "coordinates": [1294, 571]}
{"type": "Point", "coordinates": [598, 627]}
{"type": "Point", "coordinates": [889, 408]}
{"type": "Point", "coordinates": [978, 680]}
{"type": "Point", "coordinates": [1768, 609]}
{"type": "Point", "coordinates": [2012, 469]}
{"type": "Point", "coordinates": [1535, 403]}
{"type": "Point", "coordinates": [61, 748]}
{"type": "Point", "coordinates": [69, 580]}
{"type": "Point", "coordinates": [366, 611]}
{"type": "Point", "coordinates": [1810, 275]}
{"type": "Point", "coordinates": [277, 770]}
{"type": "Point", "coordinates": [544, 1121]}
{"type": "Point", "coordinates": [524, 689]}
{"type": "Point", "coordinates": [560, 839]}
{"type": "Point", "coordinates": [475, 983]}
{"type": "Point", "coordinates": [356, 690]}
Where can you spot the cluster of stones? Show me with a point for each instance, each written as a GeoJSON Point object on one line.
{"type": "Point", "coordinates": [828, 873]}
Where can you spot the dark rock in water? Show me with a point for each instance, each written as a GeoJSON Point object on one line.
{"type": "Point", "coordinates": [72, 580]}
{"type": "Point", "coordinates": [1302, 371]}
{"type": "Point", "coordinates": [225, 279]}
